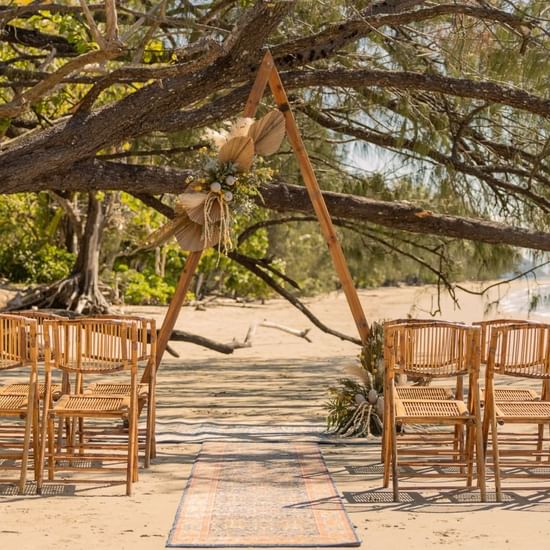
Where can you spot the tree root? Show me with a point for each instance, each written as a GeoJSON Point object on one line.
{"type": "Point", "coordinates": [65, 295]}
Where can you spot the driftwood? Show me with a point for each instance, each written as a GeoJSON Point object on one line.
{"type": "Point", "coordinates": [183, 336]}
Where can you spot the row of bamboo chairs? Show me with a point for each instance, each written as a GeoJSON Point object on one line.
{"type": "Point", "coordinates": [457, 436]}
{"type": "Point", "coordinates": [84, 414]}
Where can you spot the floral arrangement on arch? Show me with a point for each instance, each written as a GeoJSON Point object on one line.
{"type": "Point", "coordinates": [225, 183]}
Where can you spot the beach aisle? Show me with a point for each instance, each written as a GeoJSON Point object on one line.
{"type": "Point", "coordinates": [279, 386]}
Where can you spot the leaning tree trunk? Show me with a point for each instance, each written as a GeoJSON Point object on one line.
{"type": "Point", "coordinates": [80, 291]}
{"type": "Point", "coordinates": [86, 296]}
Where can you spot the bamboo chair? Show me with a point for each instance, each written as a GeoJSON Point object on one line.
{"type": "Point", "coordinates": [502, 393]}
{"type": "Point", "coordinates": [422, 391]}
{"type": "Point", "coordinates": [147, 350]}
{"type": "Point", "coordinates": [90, 347]}
{"type": "Point", "coordinates": [520, 351]}
{"type": "Point", "coordinates": [437, 350]}
{"type": "Point", "coordinates": [23, 388]}
{"type": "Point", "coordinates": [18, 350]}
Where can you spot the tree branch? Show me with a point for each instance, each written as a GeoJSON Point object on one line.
{"type": "Point", "coordinates": [405, 80]}
{"type": "Point", "coordinates": [251, 265]}
{"type": "Point", "coordinates": [283, 197]}
{"type": "Point", "coordinates": [483, 173]}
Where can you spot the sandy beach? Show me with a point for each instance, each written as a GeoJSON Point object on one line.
{"type": "Point", "coordinates": [280, 381]}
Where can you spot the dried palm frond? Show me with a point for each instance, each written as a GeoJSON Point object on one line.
{"type": "Point", "coordinates": [192, 204]}
{"type": "Point", "coordinates": [239, 150]}
{"type": "Point", "coordinates": [191, 236]}
{"type": "Point", "coordinates": [268, 133]}
{"type": "Point", "coordinates": [165, 233]}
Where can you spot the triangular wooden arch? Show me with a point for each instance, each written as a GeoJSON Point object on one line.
{"type": "Point", "coordinates": [268, 74]}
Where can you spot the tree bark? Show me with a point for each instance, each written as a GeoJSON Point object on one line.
{"type": "Point", "coordinates": [145, 181]}
{"type": "Point", "coordinates": [86, 269]}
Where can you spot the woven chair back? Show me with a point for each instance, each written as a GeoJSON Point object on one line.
{"type": "Point", "coordinates": [39, 317]}
{"type": "Point", "coordinates": [91, 345]}
{"type": "Point", "coordinates": [13, 340]}
{"type": "Point", "coordinates": [433, 349]}
{"type": "Point", "coordinates": [521, 350]}
{"type": "Point", "coordinates": [145, 327]}
{"type": "Point", "coordinates": [487, 328]}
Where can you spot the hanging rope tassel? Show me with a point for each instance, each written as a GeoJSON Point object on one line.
{"type": "Point", "coordinates": [224, 222]}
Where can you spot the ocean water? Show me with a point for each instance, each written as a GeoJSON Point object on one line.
{"type": "Point", "coordinates": [533, 302]}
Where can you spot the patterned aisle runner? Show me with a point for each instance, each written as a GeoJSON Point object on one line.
{"type": "Point", "coordinates": [261, 494]}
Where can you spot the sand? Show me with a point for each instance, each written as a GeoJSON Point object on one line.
{"type": "Point", "coordinates": [281, 380]}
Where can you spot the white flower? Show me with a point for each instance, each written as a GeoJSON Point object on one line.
{"type": "Point", "coordinates": [215, 187]}
{"type": "Point", "coordinates": [228, 196]}
{"type": "Point", "coordinates": [230, 180]}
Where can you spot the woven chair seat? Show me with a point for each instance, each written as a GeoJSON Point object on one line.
{"type": "Point", "coordinates": [13, 404]}
{"type": "Point", "coordinates": [509, 393]}
{"type": "Point", "coordinates": [9, 364]}
{"type": "Point", "coordinates": [100, 405]}
{"type": "Point", "coordinates": [524, 411]}
{"type": "Point", "coordinates": [94, 365]}
{"type": "Point", "coordinates": [430, 409]}
{"type": "Point", "coordinates": [23, 389]}
{"type": "Point", "coordinates": [424, 392]}
{"type": "Point", "coordinates": [99, 388]}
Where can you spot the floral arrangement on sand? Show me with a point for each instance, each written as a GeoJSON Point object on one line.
{"type": "Point", "coordinates": [226, 182]}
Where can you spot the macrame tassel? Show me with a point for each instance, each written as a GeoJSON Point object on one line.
{"type": "Point", "coordinates": [217, 211]}
{"type": "Point", "coordinates": [225, 227]}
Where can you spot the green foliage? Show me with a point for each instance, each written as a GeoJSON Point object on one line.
{"type": "Point", "coordinates": [27, 254]}
{"type": "Point", "coordinates": [44, 264]}
{"type": "Point", "coordinates": [225, 277]}
{"type": "Point", "coordinates": [143, 288]}
{"type": "Point", "coordinates": [348, 401]}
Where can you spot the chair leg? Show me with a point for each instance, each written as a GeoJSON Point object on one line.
{"type": "Point", "coordinates": [26, 447]}
{"type": "Point", "coordinates": [468, 455]}
{"type": "Point", "coordinates": [130, 467]}
{"type": "Point", "coordinates": [394, 465]}
{"type": "Point", "coordinates": [148, 434]}
{"type": "Point", "coordinates": [136, 447]}
{"type": "Point", "coordinates": [130, 471]}
{"type": "Point", "coordinates": [458, 444]}
{"type": "Point", "coordinates": [36, 439]}
{"type": "Point", "coordinates": [52, 447]}
{"type": "Point", "coordinates": [71, 437]}
{"type": "Point", "coordinates": [540, 439]}
{"type": "Point", "coordinates": [80, 435]}
{"type": "Point", "coordinates": [154, 425]}
{"type": "Point", "coordinates": [480, 463]}
{"type": "Point", "coordinates": [485, 428]}
{"type": "Point", "coordinates": [59, 442]}
{"type": "Point", "coordinates": [386, 460]}
{"type": "Point", "coordinates": [496, 457]}
{"type": "Point", "coordinates": [386, 436]}
{"type": "Point", "coordinates": [44, 439]}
